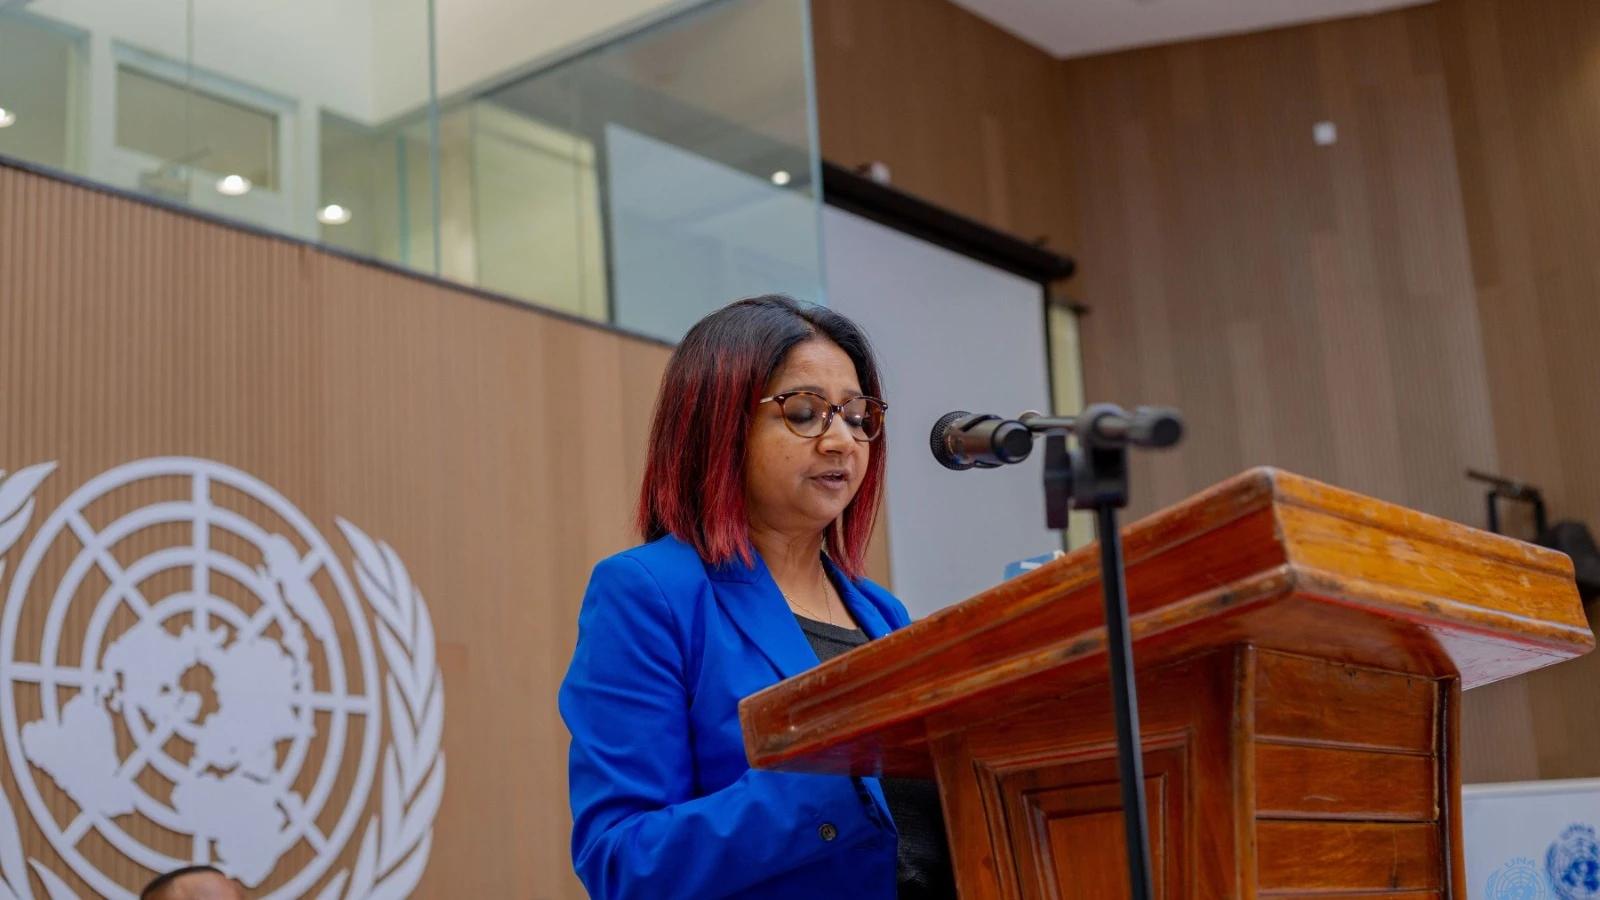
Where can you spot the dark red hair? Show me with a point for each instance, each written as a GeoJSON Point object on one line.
{"type": "Point", "coordinates": [694, 475]}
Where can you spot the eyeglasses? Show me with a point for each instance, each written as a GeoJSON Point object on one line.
{"type": "Point", "coordinates": [810, 415]}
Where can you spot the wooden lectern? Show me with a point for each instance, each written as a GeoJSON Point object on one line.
{"type": "Point", "coordinates": [1300, 653]}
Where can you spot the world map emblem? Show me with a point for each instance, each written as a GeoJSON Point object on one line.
{"type": "Point", "coordinates": [191, 672]}
{"type": "Point", "coordinates": [1573, 863]}
{"type": "Point", "coordinates": [1518, 879]}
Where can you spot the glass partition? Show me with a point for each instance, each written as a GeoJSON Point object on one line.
{"type": "Point", "coordinates": [217, 104]}
{"type": "Point", "coordinates": [376, 190]}
{"type": "Point", "coordinates": [537, 218]}
{"type": "Point", "coordinates": [657, 177]}
{"type": "Point", "coordinates": [42, 67]}
{"type": "Point", "coordinates": [645, 180]}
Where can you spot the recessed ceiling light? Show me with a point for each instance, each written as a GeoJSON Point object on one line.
{"type": "Point", "coordinates": [233, 185]}
{"type": "Point", "coordinates": [780, 178]}
{"type": "Point", "coordinates": [8, 117]}
{"type": "Point", "coordinates": [333, 214]}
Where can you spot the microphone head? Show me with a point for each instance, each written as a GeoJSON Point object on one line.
{"type": "Point", "coordinates": [1157, 426]}
{"type": "Point", "coordinates": [938, 442]}
{"type": "Point", "coordinates": [1013, 442]}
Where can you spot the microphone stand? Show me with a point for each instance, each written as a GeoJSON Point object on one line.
{"type": "Point", "coordinates": [1094, 475]}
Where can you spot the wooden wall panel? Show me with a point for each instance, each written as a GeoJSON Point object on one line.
{"type": "Point", "coordinates": [427, 417]}
{"type": "Point", "coordinates": [963, 113]}
{"type": "Point", "coordinates": [1307, 307]}
{"type": "Point", "coordinates": [1525, 91]}
{"type": "Point", "coordinates": [1525, 101]}
{"type": "Point", "coordinates": [1375, 313]}
{"type": "Point", "coordinates": [1383, 313]}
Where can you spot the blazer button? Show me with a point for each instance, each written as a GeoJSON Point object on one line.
{"type": "Point", "coordinates": [827, 831]}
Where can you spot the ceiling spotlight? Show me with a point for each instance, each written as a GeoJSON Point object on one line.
{"type": "Point", "coordinates": [780, 178]}
{"type": "Point", "coordinates": [8, 117]}
{"type": "Point", "coordinates": [333, 214]}
{"type": "Point", "coordinates": [233, 185]}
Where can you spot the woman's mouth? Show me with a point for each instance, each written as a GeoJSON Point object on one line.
{"type": "Point", "coordinates": [832, 480]}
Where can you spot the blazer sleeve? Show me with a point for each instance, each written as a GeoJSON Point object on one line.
{"type": "Point", "coordinates": [638, 829]}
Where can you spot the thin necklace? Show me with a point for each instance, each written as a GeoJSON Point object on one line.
{"type": "Point", "coordinates": [808, 610]}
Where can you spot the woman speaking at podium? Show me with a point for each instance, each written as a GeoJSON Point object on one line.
{"type": "Point", "coordinates": [765, 469]}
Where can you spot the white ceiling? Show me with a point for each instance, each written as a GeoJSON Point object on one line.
{"type": "Point", "coordinates": [1066, 28]}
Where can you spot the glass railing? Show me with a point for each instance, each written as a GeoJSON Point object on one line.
{"type": "Point", "coordinates": [643, 181]}
{"type": "Point", "coordinates": [704, 135]}
{"type": "Point", "coordinates": [213, 104]}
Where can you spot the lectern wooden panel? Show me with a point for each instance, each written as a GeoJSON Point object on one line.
{"type": "Point", "coordinates": [1300, 652]}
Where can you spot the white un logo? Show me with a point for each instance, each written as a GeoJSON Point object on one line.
{"type": "Point", "coordinates": [188, 666]}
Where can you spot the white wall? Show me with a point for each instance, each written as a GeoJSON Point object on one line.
{"type": "Point", "coordinates": [400, 55]}
{"type": "Point", "coordinates": [952, 333]}
{"type": "Point", "coordinates": [482, 39]}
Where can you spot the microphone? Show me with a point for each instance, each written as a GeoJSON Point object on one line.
{"type": "Point", "coordinates": [1106, 425]}
{"type": "Point", "coordinates": [963, 440]}
{"type": "Point", "coordinates": [1092, 475]}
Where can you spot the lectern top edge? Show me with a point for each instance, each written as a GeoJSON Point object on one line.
{"type": "Point", "coordinates": [1266, 558]}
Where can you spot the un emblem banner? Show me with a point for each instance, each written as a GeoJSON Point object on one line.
{"type": "Point", "coordinates": [1532, 841]}
{"type": "Point", "coordinates": [191, 672]}
{"type": "Point", "coordinates": [1573, 863]}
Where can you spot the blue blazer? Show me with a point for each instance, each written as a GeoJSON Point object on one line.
{"type": "Point", "coordinates": [664, 803]}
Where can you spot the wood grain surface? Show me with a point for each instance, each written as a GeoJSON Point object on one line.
{"type": "Point", "coordinates": [1381, 313]}
{"type": "Point", "coordinates": [1301, 653]}
{"type": "Point", "coordinates": [427, 416]}
{"type": "Point", "coordinates": [1237, 563]}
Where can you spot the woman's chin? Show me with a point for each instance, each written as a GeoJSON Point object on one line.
{"type": "Point", "coordinates": [825, 514]}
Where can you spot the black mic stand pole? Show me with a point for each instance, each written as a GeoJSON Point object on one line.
{"type": "Point", "coordinates": [1094, 475]}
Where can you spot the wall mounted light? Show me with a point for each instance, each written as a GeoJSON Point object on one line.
{"type": "Point", "coordinates": [233, 185]}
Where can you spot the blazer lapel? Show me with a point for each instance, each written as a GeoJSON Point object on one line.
{"type": "Point", "coordinates": [866, 614]}
{"type": "Point", "coordinates": [873, 623]}
{"type": "Point", "coordinates": [750, 597]}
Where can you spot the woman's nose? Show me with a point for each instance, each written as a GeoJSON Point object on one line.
{"type": "Point", "coordinates": [837, 437]}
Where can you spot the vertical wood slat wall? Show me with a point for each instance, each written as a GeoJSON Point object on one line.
{"type": "Point", "coordinates": [1420, 297]}
{"type": "Point", "coordinates": [964, 114]}
{"type": "Point", "coordinates": [1462, 171]}
{"type": "Point", "coordinates": [1525, 111]}
{"type": "Point", "coordinates": [1307, 306]}
{"type": "Point", "coordinates": [426, 416]}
